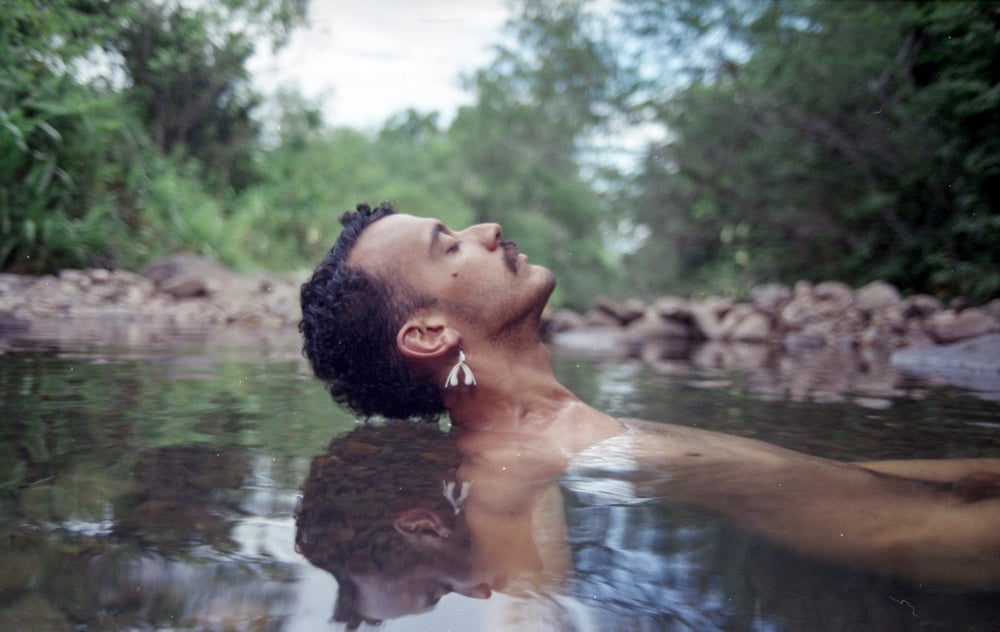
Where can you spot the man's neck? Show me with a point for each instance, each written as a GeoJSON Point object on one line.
{"type": "Point", "coordinates": [515, 390]}
{"type": "Point", "coordinates": [517, 393]}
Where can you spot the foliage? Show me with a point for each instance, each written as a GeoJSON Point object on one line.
{"type": "Point", "coordinates": [520, 146]}
{"type": "Point", "coordinates": [803, 139]}
{"type": "Point", "coordinates": [68, 149]}
{"type": "Point", "coordinates": [81, 180]}
{"type": "Point", "coordinates": [855, 141]}
{"type": "Point", "coordinates": [189, 81]}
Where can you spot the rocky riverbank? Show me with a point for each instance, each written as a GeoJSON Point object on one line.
{"type": "Point", "coordinates": [806, 316]}
{"type": "Point", "coordinates": [182, 290]}
{"type": "Point", "coordinates": [825, 324]}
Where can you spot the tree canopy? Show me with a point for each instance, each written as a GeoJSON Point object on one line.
{"type": "Point", "coordinates": [813, 139]}
{"type": "Point", "coordinates": [847, 140]}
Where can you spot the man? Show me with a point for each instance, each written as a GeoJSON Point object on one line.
{"type": "Point", "coordinates": [407, 317]}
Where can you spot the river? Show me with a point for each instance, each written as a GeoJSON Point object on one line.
{"type": "Point", "coordinates": [149, 480]}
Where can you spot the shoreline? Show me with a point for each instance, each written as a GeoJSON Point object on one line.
{"type": "Point", "coordinates": [194, 300]}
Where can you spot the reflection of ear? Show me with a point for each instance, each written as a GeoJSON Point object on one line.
{"type": "Point", "coordinates": [421, 526]}
{"type": "Point", "coordinates": [425, 337]}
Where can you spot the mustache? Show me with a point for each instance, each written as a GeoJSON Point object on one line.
{"type": "Point", "coordinates": [510, 253]}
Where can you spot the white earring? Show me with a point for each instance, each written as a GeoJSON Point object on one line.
{"type": "Point", "coordinates": [467, 378]}
{"type": "Point", "coordinates": [448, 490]}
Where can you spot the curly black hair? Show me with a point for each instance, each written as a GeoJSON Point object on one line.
{"type": "Point", "coordinates": [350, 319]}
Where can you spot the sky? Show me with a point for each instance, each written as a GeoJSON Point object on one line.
{"type": "Point", "coordinates": [366, 60]}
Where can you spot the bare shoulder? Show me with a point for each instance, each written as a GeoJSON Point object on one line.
{"type": "Point", "coordinates": [684, 441]}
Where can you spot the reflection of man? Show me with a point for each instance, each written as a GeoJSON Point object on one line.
{"type": "Point", "coordinates": [407, 317]}
{"type": "Point", "coordinates": [376, 513]}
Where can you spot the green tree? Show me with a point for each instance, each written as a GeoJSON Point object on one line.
{"type": "Point", "coordinates": [66, 146]}
{"type": "Point", "coordinates": [520, 145]}
{"type": "Point", "coordinates": [189, 80]}
{"type": "Point", "coordinates": [849, 140]}
{"type": "Point", "coordinates": [93, 93]}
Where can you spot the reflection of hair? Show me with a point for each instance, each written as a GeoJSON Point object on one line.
{"type": "Point", "coordinates": [354, 491]}
{"type": "Point", "coordinates": [350, 318]}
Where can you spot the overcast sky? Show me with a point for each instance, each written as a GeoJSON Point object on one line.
{"type": "Point", "coordinates": [366, 60]}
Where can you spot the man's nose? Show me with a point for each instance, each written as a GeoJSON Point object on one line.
{"type": "Point", "coordinates": [487, 234]}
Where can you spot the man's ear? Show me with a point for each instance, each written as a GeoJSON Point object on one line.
{"type": "Point", "coordinates": [423, 337]}
{"type": "Point", "coordinates": [422, 526]}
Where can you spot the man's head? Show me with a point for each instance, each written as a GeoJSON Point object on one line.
{"type": "Point", "coordinates": [396, 296]}
{"type": "Point", "coordinates": [350, 318]}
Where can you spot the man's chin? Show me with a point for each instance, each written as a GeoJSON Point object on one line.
{"type": "Point", "coordinates": [548, 283]}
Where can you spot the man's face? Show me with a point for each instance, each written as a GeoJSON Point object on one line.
{"type": "Point", "coordinates": [472, 272]}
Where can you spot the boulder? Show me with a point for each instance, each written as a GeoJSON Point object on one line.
{"type": "Point", "coordinates": [770, 297]}
{"type": "Point", "coordinates": [833, 296]}
{"type": "Point", "coordinates": [653, 327]}
{"type": "Point", "coordinates": [733, 317]}
{"type": "Point", "coordinates": [993, 308]}
{"type": "Point", "coordinates": [622, 311]}
{"type": "Point", "coordinates": [561, 320]}
{"type": "Point", "coordinates": [754, 327]}
{"type": "Point", "coordinates": [11, 322]}
{"type": "Point", "coordinates": [674, 308]}
{"type": "Point", "coordinates": [187, 276]}
{"type": "Point", "coordinates": [599, 318]}
{"type": "Point", "coordinates": [972, 363]}
{"type": "Point", "coordinates": [876, 295]}
{"type": "Point", "coordinates": [707, 315]}
{"type": "Point", "coordinates": [920, 306]}
{"type": "Point", "coordinates": [950, 326]}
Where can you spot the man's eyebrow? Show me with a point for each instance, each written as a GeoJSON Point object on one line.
{"type": "Point", "coordinates": [436, 234]}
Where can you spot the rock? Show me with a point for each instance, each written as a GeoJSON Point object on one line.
{"type": "Point", "coordinates": [920, 306]}
{"type": "Point", "coordinates": [673, 308]}
{"type": "Point", "coordinates": [733, 318]}
{"type": "Point", "coordinates": [876, 295]}
{"type": "Point", "coordinates": [561, 320]}
{"type": "Point", "coordinates": [10, 322]}
{"type": "Point", "coordinates": [949, 326]}
{"type": "Point", "coordinates": [653, 327]}
{"type": "Point", "coordinates": [187, 276]}
{"type": "Point", "coordinates": [624, 312]}
{"type": "Point", "coordinates": [707, 315]}
{"type": "Point", "coordinates": [833, 295]}
{"type": "Point", "coordinates": [755, 327]}
{"type": "Point", "coordinates": [770, 297]}
{"type": "Point", "coordinates": [993, 308]}
{"type": "Point", "coordinates": [826, 301]}
{"type": "Point", "coordinates": [599, 318]}
{"type": "Point", "coordinates": [972, 363]}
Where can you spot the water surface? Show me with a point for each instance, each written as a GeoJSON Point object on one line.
{"type": "Point", "coordinates": [148, 480]}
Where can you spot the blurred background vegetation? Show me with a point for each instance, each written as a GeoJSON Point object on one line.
{"type": "Point", "coordinates": [792, 140]}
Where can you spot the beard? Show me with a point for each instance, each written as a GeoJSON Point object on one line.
{"type": "Point", "coordinates": [502, 313]}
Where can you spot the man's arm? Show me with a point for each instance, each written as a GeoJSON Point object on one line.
{"type": "Point", "coordinates": [879, 517]}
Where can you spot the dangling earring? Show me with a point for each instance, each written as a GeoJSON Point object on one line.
{"type": "Point", "coordinates": [467, 378]}
{"type": "Point", "coordinates": [448, 490]}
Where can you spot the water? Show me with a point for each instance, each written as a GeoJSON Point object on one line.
{"type": "Point", "coordinates": [148, 480]}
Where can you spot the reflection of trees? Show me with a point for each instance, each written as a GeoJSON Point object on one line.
{"type": "Point", "coordinates": [144, 567]}
{"type": "Point", "coordinates": [183, 495]}
{"type": "Point", "coordinates": [100, 534]}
